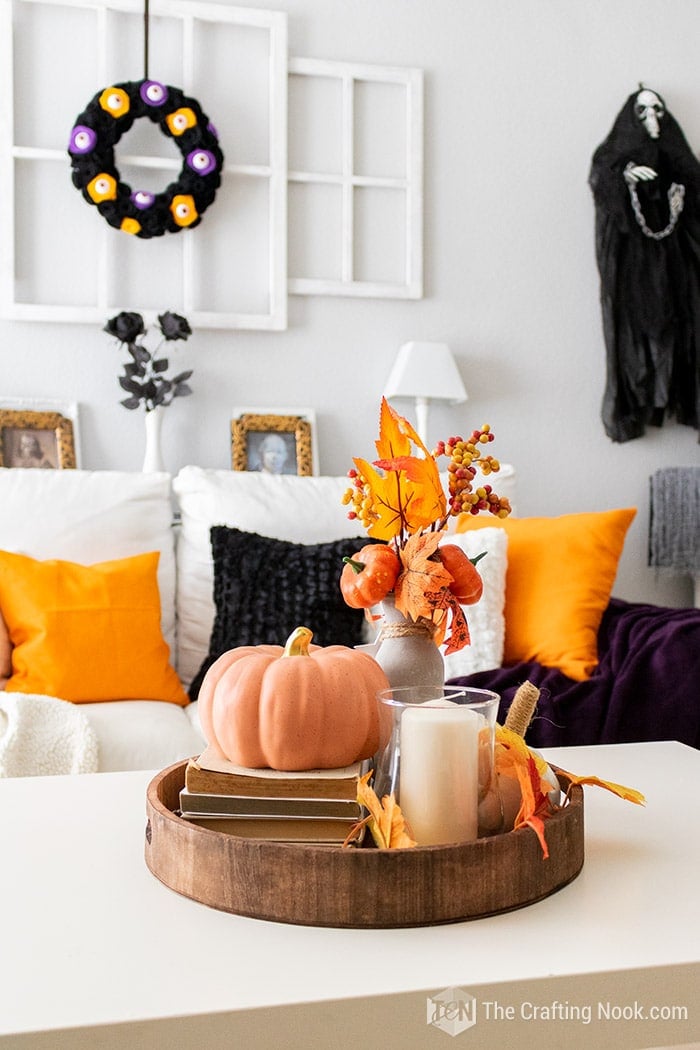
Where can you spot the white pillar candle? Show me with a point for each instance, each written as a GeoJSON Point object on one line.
{"type": "Point", "coordinates": [439, 777]}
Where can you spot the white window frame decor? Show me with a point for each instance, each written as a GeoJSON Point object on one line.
{"type": "Point", "coordinates": [273, 173]}
{"type": "Point", "coordinates": [410, 183]}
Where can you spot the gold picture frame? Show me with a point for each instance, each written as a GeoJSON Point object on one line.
{"type": "Point", "coordinates": [271, 444]}
{"type": "Point", "coordinates": [36, 439]}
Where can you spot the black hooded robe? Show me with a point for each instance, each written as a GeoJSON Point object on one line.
{"type": "Point", "coordinates": [649, 288]}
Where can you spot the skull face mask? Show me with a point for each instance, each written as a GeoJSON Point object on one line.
{"type": "Point", "coordinates": [650, 110]}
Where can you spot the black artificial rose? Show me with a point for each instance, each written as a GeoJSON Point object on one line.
{"type": "Point", "coordinates": [173, 326]}
{"type": "Point", "coordinates": [126, 326]}
{"type": "Point", "coordinates": [144, 378]}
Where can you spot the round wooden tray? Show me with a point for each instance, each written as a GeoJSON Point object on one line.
{"type": "Point", "coordinates": [331, 886]}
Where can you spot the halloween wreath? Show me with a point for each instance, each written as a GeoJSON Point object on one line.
{"type": "Point", "coordinates": [99, 128]}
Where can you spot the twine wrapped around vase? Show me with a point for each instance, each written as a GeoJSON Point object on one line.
{"type": "Point", "coordinates": [411, 628]}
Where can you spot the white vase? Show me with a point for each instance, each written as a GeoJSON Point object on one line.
{"type": "Point", "coordinates": [407, 653]}
{"type": "Point", "coordinates": [153, 458]}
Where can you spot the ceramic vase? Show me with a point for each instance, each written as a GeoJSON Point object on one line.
{"type": "Point", "coordinates": [407, 653]}
{"type": "Point", "coordinates": [153, 457]}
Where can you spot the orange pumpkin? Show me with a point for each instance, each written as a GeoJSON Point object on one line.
{"type": "Point", "coordinates": [467, 584]}
{"type": "Point", "coordinates": [299, 707]}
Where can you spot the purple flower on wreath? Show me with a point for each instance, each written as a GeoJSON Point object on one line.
{"type": "Point", "coordinates": [82, 140]}
{"type": "Point", "coordinates": [142, 199]}
{"type": "Point", "coordinates": [153, 93]}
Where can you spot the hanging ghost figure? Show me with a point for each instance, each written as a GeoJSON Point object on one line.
{"type": "Point", "coordinates": [646, 188]}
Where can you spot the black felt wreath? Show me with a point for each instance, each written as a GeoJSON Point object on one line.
{"type": "Point", "coordinates": [99, 128]}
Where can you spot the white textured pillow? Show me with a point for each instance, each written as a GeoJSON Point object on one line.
{"type": "Point", "coordinates": [486, 618]}
{"type": "Point", "coordinates": [91, 516]}
{"type": "Point", "coordinates": [281, 506]}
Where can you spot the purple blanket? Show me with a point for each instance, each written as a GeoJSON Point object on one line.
{"type": "Point", "coordinates": [646, 685]}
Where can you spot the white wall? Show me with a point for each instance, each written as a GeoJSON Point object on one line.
{"type": "Point", "coordinates": [518, 95]}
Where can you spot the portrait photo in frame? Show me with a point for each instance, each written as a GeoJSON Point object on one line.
{"type": "Point", "coordinates": [36, 439]}
{"type": "Point", "coordinates": [273, 441]}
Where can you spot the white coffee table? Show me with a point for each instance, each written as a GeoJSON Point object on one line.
{"type": "Point", "coordinates": [97, 953]}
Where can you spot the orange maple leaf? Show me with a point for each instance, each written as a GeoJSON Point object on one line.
{"type": "Point", "coordinates": [626, 793]}
{"type": "Point", "coordinates": [459, 628]}
{"type": "Point", "coordinates": [422, 591]}
{"type": "Point", "coordinates": [385, 494]}
{"type": "Point", "coordinates": [385, 820]}
{"type": "Point", "coordinates": [423, 497]}
{"type": "Point", "coordinates": [395, 434]}
{"type": "Point", "coordinates": [415, 492]}
{"type": "Point", "coordinates": [514, 759]}
{"type": "Point", "coordinates": [419, 587]}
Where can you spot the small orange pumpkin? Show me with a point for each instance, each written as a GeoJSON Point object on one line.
{"type": "Point", "coordinates": [467, 584]}
{"type": "Point", "coordinates": [299, 707]}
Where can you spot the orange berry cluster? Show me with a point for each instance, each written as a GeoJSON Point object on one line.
{"type": "Point", "coordinates": [463, 454]}
{"type": "Point", "coordinates": [359, 498]}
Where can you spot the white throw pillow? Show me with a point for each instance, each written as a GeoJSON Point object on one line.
{"type": "Point", "coordinates": [281, 506]}
{"type": "Point", "coordinates": [91, 516]}
{"type": "Point", "coordinates": [486, 618]}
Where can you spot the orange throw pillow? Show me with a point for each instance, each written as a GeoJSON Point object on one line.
{"type": "Point", "coordinates": [87, 632]}
{"type": "Point", "coordinates": [559, 580]}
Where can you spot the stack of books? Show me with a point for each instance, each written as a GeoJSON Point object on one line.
{"type": "Point", "coordinates": [313, 806]}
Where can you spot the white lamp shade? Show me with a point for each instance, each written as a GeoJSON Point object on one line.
{"type": "Point", "coordinates": [426, 370]}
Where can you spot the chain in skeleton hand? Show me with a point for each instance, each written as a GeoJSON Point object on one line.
{"type": "Point", "coordinates": [676, 195]}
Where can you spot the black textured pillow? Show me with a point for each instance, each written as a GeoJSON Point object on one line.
{"type": "Point", "coordinates": [264, 588]}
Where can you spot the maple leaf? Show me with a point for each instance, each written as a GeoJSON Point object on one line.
{"type": "Point", "coordinates": [459, 628]}
{"type": "Point", "coordinates": [385, 820]}
{"type": "Point", "coordinates": [423, 497]}
{"type": "Point", "coordinates": [626, 793]}
{"type": "Point", "coordinates": [385, 494]}
{"type": "Point", "coordinates": [420, 587]}
{"type": "Point", "coordinates": [535, 803]}
{"type": "Point", "coordinates": [418, 498]}
{"type": "Point", "coordinates": [422, 591]}
{"type": "Point", "coordinates": [514, 759]}
{"type": "Point", "coordinates": [395, 434]}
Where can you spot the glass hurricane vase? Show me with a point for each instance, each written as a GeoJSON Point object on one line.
{"type": "Point", "coordinates": [437, 760]}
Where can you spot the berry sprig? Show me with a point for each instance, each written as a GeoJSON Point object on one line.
{"type": "Point", "coordinates": [359, 497]}
{"type": "Point", "coordinates": [401, 494]}
{"type": "Point", "coordinates": [463, 498]}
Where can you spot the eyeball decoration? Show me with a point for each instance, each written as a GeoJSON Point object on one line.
{"type": "Point", "coordinates": [98, 129]}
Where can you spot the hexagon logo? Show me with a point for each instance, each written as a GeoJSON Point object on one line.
{"type": "Point", "coordinates": [452, 1010]}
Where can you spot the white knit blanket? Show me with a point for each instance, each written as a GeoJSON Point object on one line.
{"type": "Point", "coordinates": [43, 736]}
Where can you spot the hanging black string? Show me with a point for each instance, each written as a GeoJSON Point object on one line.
{"type": "Point", "coordinates": [145, 40]}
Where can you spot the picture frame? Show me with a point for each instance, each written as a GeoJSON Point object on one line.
{"type": "Point", "coordinates": [273, 441]}
{"type": "Point", "coordinates": [33, 438]}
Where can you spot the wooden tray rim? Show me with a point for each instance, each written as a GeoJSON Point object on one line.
{"type": "Point", "coordinates": [233, 853]}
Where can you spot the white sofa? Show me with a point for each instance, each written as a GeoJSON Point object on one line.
{"type": "Point", "coordinates": [96, 516]}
